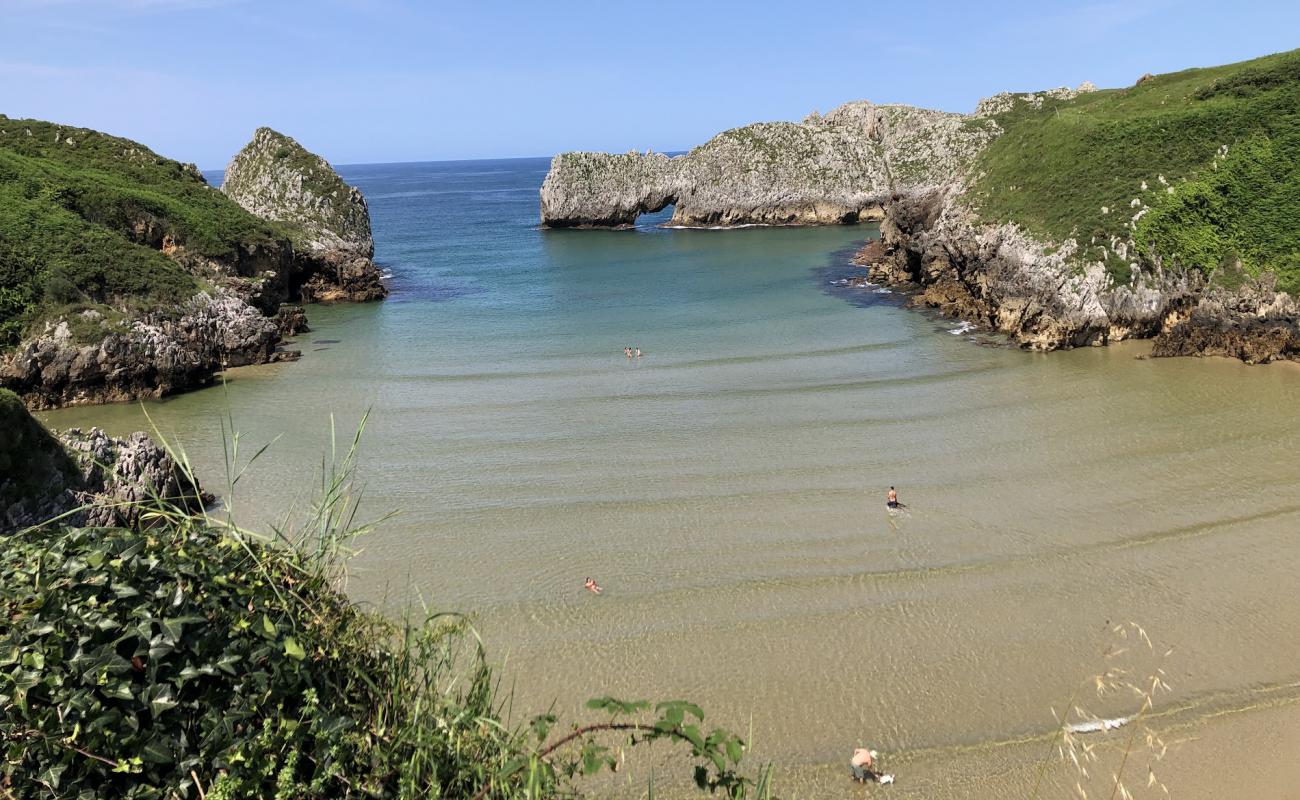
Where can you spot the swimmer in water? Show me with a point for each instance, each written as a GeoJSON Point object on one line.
{"type": "Point", "coordinates": [627, 351]}
{"type": "Point", "coordinates": [592, 586]}
{"type": "Point", "coordinates": [638, 352]}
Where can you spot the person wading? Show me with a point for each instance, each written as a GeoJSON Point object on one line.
{"type": "Point", "coordinates": [891, 499]}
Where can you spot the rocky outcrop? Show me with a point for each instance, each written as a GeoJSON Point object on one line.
{"type": "Point", "coordinates": [84, 478]}
{"type": "Point", "coordinates": [837, 168]}
{"type": "Point", "coordinates": [911, 169]}
{"type": "Point", "coordinates": [999, 277]}
{"type": "Point", "coordinates": [1042, 296]}
{"type": "Point", "coordinates": [150, 357]}
{"type": "Point", "coordinates": [1255, 324]}
{"type": "Point", "coordinates": [275, 178]}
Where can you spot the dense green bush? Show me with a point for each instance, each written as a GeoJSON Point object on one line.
{"type": "Point", "coordinates": [1245, 211]}
{"type": "Point", "coordinates": [148, 665]}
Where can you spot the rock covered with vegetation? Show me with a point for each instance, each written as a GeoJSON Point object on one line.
{"type": "Point", "coordinates": [277, 179]}
{"type": "Point", "coordinates": [82, 478]}
{"type": "Point", "coordinates": [830, 169]}
{"type": "Point", "coordinates": [1160, 210]}
{"type": "Point", "coordinates": [1062, 218]}
{"type": "Point", "coordinates": [124, 274]}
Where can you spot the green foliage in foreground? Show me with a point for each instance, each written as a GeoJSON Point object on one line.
{"type": "Point", "coordinates": [76, 209]}
{"type": "Point", "coordinates": [193, 659]}
{"type": "Point", "coordinates": [1056, 167]}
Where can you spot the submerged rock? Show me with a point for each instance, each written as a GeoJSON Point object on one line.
{"type": "Point", "coordinates": [277, 179]}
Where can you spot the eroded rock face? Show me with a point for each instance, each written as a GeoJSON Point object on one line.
{"type": "Point", "coordinates": [84, 478]}
{"type": "Point", "coordinates": [1255, 324]}
{"type": "Point", "coordinates": [830, 169]}
{"type": "Point", "coordinates": [150, 357]}
{"type": "Point", "coordinates": [275, 178]}
{"type": "Point", "coordinates": [1000, 278]}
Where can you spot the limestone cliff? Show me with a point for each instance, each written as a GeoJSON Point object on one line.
{"type": "Point", "coordinates": [836, 168]}
{"type": "Point", "coordinates": [1062, 218]}
{"type": "Point", "coordinates": [152, 356]}
{"type": "Point", "coordinates": [277, 179]}
{"type": "Point", "coordinates": [84, 478]}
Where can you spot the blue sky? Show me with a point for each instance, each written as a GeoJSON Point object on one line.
{"type": "Point", "coordinates": [387, 80]}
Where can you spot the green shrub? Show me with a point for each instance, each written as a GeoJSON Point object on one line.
{"type": "Point", "coordinates": [1243, 210]}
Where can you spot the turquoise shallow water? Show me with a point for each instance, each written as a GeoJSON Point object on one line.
{"type": "Point", "coordinates": [727, 488]}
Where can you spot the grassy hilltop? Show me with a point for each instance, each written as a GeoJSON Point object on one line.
{"type": "Point", "coordinates": [1218, 150]}
{"type": "Point", "coordinates": [82, 215]}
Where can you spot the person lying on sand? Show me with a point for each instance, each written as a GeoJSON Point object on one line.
{"type": "Point", "coordinates": [592, 586]}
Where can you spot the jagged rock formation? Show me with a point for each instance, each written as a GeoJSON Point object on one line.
{"type": "Point", "coordinates": [836, 168]}
{"type": "Point", "coordinates": [1000, 278]}
{"type": "Point", "coordinates": [85, 478]}
{"type": "Point", "coordinates": [277, 179]}
{"type": "Point", "coordinates": [1257, 325]}
{"type": "Point", "coordinates": [160, 354]}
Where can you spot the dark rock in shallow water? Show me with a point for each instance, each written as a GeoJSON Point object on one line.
{"type": "Point", "coordinates": [1255, 329]}
{"type": "Point", "coordinates": [292, 320]}
{"type": "Point", "coordinates": [83, 478]}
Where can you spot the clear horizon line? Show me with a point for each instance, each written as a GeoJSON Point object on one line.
{"type": "Point", "coordinates": [452, 160]}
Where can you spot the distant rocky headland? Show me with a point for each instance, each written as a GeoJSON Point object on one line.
{"type": "Point", "coordinates": [123, 274]}
{"type": "Point", "coordinates": [1062, 218]}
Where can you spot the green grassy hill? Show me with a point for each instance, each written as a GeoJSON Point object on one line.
{"type": "Point", "coordinates": [82, 215]}
{"type": "Point", "coordinates": [1217, 148]}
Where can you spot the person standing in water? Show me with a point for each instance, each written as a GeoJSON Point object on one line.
{"type": "Point", "coordinates": [892, 499]}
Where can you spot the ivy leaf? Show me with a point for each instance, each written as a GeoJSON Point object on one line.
{"type": "Point", "coordinates": [294, 650]}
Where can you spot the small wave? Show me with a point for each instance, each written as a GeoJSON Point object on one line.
{"type": "Point", "coordinates": [1096, 726]}
{"type": "Point", "coordinates": [883, 290]}
{"type": "Point", "coordinates": [722, 227]}
{"type": "Point", "coordinates": [962, 327]}
{"type": "Point", "coordinates": [386, 274]}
